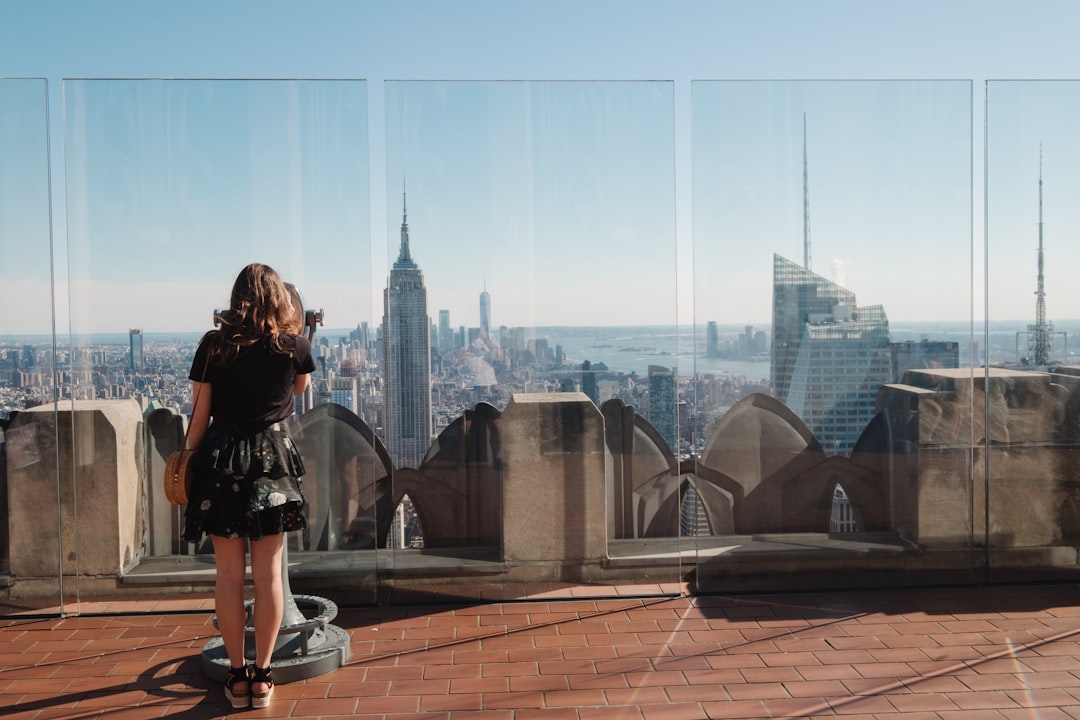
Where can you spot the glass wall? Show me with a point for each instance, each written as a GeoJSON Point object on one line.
{"type": "Point", "coordinates": [531, 386]}
{"type": "Point", "coordinates": [172, 187]}
{"type": "Point", "coordinates": [532, 278]}
{"type": "Point", "coordinates": [834, 352]}
{"type": "Point", "coordinates": [1028, 462]}
{"type": "Point", "coordinates": [32, 546]}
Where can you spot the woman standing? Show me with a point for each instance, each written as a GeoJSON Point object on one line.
{"type": "Point", "coordinates": [247, 488]}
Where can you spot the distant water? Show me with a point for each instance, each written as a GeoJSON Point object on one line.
{"type": "Point", "coordinates": [103, 338]}
{"type": "Point", "coordinates": [632, 349]}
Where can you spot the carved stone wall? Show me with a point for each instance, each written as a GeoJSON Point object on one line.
{"type": "Point", "coordinates": [554, 514]}
{"type": "Point", "coordinates": [94, 529]}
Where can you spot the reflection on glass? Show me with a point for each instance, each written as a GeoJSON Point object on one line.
{"type": "Point", "coordinates": [25, 247]}
{"type": "Point", "coordinates": [832, 261]}
{"type": "Point", "coordinates": [30, 492]}
{"type": "Point", "coordinates": [172, 187]}
{"type": "Point", "coordinates": [529, 308]}
{"type": "Point", "coordinates": [1031, 415]}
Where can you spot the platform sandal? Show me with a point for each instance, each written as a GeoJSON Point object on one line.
{"type": "Point", "coordinates": [241, 698]}
{"type": "Point", "coordinates": [261, 675]}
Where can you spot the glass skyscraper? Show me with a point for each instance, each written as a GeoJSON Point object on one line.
{"type": "Point", "coordinates": [446, 333]}
{"type": "Point", "coordinates": [829, 357]}
{"type": "Point", "coordinates": [662, 404]}
{"type": "Point", "coordinates": [485, 312]}
{"type": "Point", "coordinates": [135, 350]}
{"type": "Point", "coordinates": [407, 354]}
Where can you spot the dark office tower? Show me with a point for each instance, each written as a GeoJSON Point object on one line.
{"type": "Point", "coordinates": [921, 355]}
{"type": "Point", "coordinates": [407, 358]}
{"type": "Point", "coordinates": [135, 352]}
{"type": "Point", "coordinates": [829, 357]}
{"type": "Point", "coordinates": [712, 340]}
{"type": "Point", "coordinates": [485, 312]}
{"type": "Point", "coordinates": [29, 357]}
{"type": "Point", "coordinates": [662, 404]}
{"type": "Point", "coordinates": [588, 382]}
{"type": "Point", "coordinates": [446, 333]}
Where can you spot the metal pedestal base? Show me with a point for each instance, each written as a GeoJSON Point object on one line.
{"type": "Point", "coordinates": [305, 647]}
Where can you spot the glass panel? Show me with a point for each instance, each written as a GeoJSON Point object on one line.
{"type": "Point", "coordinates": [832, 375]}
{"type": "Point", "coordinates": [529, 349]}
{"type": "Point", "coordinates": [1027, 461]}
{"type": "Point", "coordinates": [173, 187]}
{"type": "Point", "coordinates": [31, 545]}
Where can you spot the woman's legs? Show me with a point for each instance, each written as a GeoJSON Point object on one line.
{"type": "Point", "coordinates": [230, 556]}
{"type": "Point", "coordinates": [269, 598]}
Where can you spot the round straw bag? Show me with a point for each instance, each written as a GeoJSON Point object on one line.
{"type": "Point", "coordinates": [178, 473]}
{"type": "Point", "coordinates": [178, 470]}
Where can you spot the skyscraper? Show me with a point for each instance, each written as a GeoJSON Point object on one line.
{"type": "Point", "coordinates": [588, 382]}
{"type": "Point", "coordinates": [662, 404]}
{"type": "Point", "coordinates": [712, 340]}
{"type": "Point", "coordinates": [344, 391]}
{"type": "Point", "coordinates": [135, 350]}
{"type": "Point", "coordinates": [829, 357]}
{"type": "Point", "coordinates": [407, 358]}
{"type": "Point", "coordinates": [446, 333]}
{"type": "Point", "coordinates": [485, 312]}
{"type": "Point", "coordinates": [913, 355]}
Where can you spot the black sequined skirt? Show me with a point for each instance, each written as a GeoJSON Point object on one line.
{"type": "Point", "coordinates": [247, 484]}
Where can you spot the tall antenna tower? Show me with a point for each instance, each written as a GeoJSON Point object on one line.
{"type": "Point", "coordinates": [1042, 341]}
{"type": "Point", "coordinates": [806, 200]}
{"type": "Point", "coordinates": [1040, 336]}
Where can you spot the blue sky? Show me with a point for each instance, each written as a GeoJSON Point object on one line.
{"type": "Point", "coordinates": [636, 161]}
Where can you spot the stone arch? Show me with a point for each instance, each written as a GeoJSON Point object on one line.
{"type": "Point", "coordinates": [641, 471]}
{"type": "Point", "coordinates": [347, 481]}
{"type": "Point", "coordinates": [457, 491]}
{"type": "Point", "coordinates": [759, 446]}
{"type": "Point", "coordinates": [722, 497]}
{"type": "Point", "coordinates": [867, 479]}
{"type": "Point", "coordinates": [659, 501]}
{"type": "Point", "coordinates": [418, 527]}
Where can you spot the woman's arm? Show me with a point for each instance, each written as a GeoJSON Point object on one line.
{"type": "Point", "coordinates": [200, 413]}
{"type": "Point", "coordinates": [300, 384]}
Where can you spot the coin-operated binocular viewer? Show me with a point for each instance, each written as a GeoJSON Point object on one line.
{"type": "Point", "coordinates": [307, 645]}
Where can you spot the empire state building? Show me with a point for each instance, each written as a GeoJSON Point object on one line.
{"type": "Point", "coordinates": [407, 354]}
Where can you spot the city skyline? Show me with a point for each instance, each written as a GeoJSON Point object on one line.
{"type": "Point", "coordinates": [655, 195]}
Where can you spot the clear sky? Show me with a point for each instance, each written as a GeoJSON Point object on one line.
{"type": "Point", "coordinates": [604, 162]}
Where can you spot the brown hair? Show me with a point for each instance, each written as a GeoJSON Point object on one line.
{"type": "Point", "coordinates": [260, 310]}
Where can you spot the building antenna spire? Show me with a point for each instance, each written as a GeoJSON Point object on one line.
{"type": "Point", "coordinates": [1042, 331]}
{"type": "Point", "coordinates": [806, 200]}
{"type": "Point", "coordinates": [1040, 334]}
{"type": "Point", "coordinates": [405, 255]}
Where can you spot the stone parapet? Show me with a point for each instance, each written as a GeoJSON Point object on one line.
{"type": "Point", "coordinates": [74, 492]}
{"type": "Point", "coordinates": [554, 484]}
{"type": "Point", "coordinates": [953, 441]}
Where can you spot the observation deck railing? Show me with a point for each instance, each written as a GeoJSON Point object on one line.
{"type": "Point", "coordinates": [948, 483]}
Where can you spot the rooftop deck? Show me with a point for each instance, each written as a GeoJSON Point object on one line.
{"type": "Point", "coordinates": [944, 653]}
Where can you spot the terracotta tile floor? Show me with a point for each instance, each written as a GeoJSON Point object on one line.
{"type": "Point", "coordinates": [949, 654]}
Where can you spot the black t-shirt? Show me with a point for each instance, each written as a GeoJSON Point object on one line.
{"type": "Point", "coordinates": [255, 388]}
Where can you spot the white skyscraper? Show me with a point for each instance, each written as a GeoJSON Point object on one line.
{"type": "Point", "coordinates": [485, 312]}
